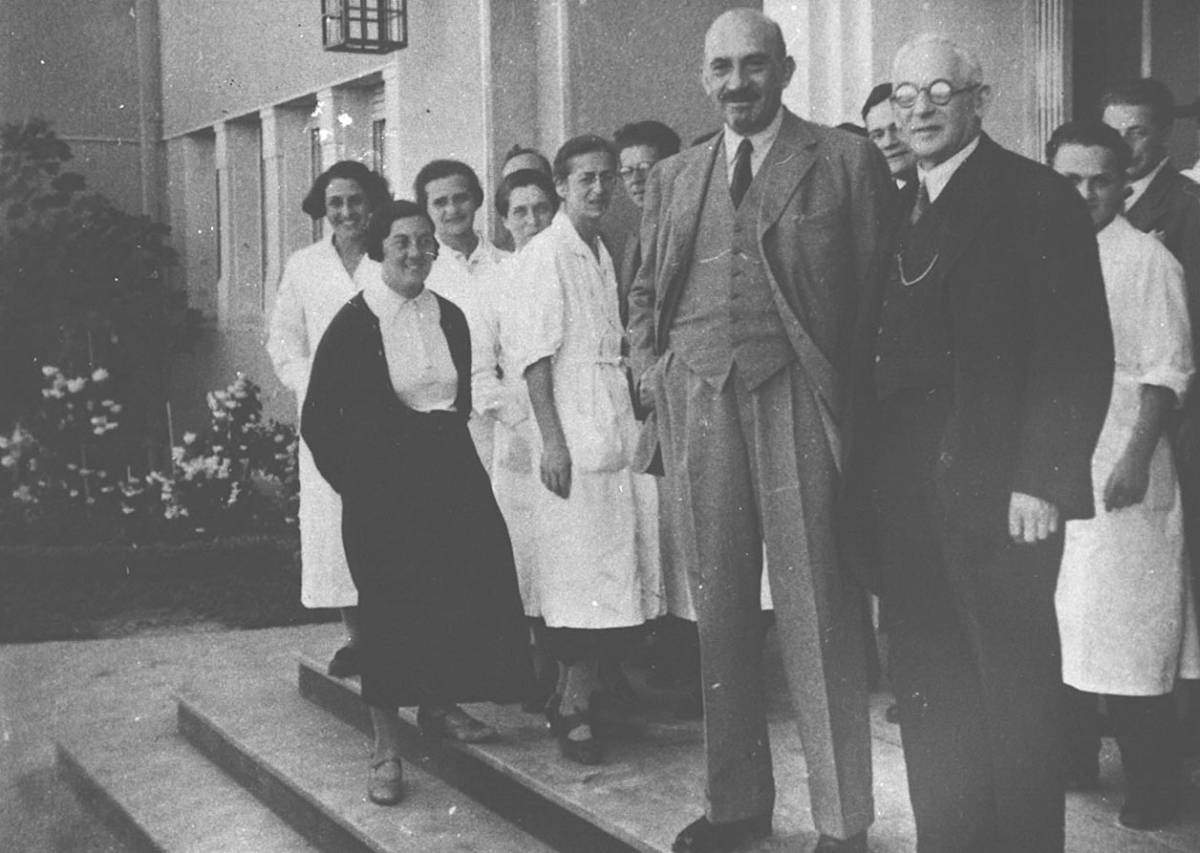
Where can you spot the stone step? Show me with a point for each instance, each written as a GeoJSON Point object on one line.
{"type": "Point", "coordinates": [158, 794]}
{"type": "Point", "coordinates": [311, 769]}
{"type": "Point", "coordinates": [636, 801]}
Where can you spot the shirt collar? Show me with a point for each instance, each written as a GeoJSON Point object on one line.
{"type": "Point", "coordinates": [761, 141]}
{"type": "Point", "coordinates": [566, 230]}
{"type": "Point", "coordinates": [936, 178]}
{"type": "Point", "coordinates": [484, 252]}
{"type": "Point", "coordinates": [1138, 188]}
{"type": "Point", "coordinates": [386, 303]}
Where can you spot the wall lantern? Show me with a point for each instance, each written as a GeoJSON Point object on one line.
{"type": "Point", "coordinates": [364, 26]}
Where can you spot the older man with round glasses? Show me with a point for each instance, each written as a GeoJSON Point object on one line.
{"type": "Point", "coordinates": [983, 383]}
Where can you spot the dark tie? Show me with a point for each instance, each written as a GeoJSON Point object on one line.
{"type": "Point", "coordinates": [921, 205]}
{"type": "Point", "coordinates": [741, 173]}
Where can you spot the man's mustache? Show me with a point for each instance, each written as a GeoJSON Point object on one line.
{"type": "Point", "coordinates": [739, 96]}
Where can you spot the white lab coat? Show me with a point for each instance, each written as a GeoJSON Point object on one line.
{"type": "Point", "coordinates": [313, 288]}
{"type": "Point", "coordinates": [598, 550]}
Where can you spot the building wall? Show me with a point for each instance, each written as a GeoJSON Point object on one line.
{"type": "Point", "coordinates": [70, 63]}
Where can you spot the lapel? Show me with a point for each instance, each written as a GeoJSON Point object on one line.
{"type": "Point", "coordinates": [1152, 206]}
{"type": "Point", "coordinates": [970, 196]}
{"type": "Point", "coordinates": [786, 164]}
{"type": "Point", "coordinates": [683, 216]}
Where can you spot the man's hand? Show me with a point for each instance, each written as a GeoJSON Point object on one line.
{"type": "Point", "coordinates": [1031, 519]}
{"type": "Point", "coordinates": [1127, 483]}
{"type": "Point", "coordinates": [556, 468]}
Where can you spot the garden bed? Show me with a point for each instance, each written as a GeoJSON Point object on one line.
{"type": "Point", "coordinates": [86, 592]}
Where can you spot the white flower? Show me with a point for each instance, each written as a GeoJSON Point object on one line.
{"type": "Point", "coordinates": [76, 385]}
{"type": "Point", "coordinates": [24, 495]}
{"type": "Point", "coordinates": [49, 370]}
{"type": "Point", "coordinates": [8, 461]}
{"type": "Point", "coordinates": [99, 374]}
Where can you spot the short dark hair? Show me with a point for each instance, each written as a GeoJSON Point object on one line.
{"type": "Point", "coordinates": [381, 223]}
{"type": "Point", "coordinates": [878, 95]}
{"type": "Point", "coordinates": [373, 185]}
{"type": "Point", "coordinates": [517, 150]}
{"type": "Point", "coordinates": [657, 135]}
{"type": "Point", "coordinates": [435, 170]}
{"type": "Point", "coordinates": [851, 127]}
{"type": "Point", "coordinates": [1092, 134]}
{"type": "Point", "coordinates": [525, 178]}
{"type": "Point", "coordinates": [1146, 92]}
{"type": "Point", "coordinates": [588, 143]}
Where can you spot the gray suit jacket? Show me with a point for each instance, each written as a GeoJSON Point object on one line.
{"type": "Point", "coordinates": [820, 225]}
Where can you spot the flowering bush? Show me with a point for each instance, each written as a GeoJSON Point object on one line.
{"type": "Point", "coordinates": [67, 485]}
{"type": "Point", "coordinates": [223, 478]}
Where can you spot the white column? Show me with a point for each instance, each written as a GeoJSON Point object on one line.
{"type": "Point", "coordinates": [240, 297]}
{"type": "Point", "coordinates": [1049, 51]}
{"type": "Point", "coordinates": [327, 109]}
{"type": "Point", "coordinates": [273, 201]}
{"type": "Point", "coordinates": [393, 103]}
{"type": "Point", "coordinates": [831, 41]}
{"type": "Point", "coordinates": [195, 226]}
{"type": "Point", "coordinates": [149, 64]}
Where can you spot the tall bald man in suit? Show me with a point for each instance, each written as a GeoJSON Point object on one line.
{"type": "Point", "coordinates": [756, 248]}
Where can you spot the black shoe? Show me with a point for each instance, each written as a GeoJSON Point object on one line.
{"type": "Point", "coordinates": [1149, 808]}
{"type": "Point", "coordinates": [853, 844]}
{"type": "Point", "coordinates": [345, 662]}
{"type": "Point", "coordinates": [586, 751]}
{"type": "Point", "coordinates": [700, 836]}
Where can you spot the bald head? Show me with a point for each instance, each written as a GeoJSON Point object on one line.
{"type": "Point", "coordinates": [746, 68]}
{"type": "Point", "coordinates": [746, 22]}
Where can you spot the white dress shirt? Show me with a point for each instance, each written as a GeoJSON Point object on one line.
{"type": "Point", "coordinates": [761, 142]}
{"type": "Point", "coordinates": [418, 357]}
{"type": "Point", "coordinates": [935, 179]}
{"type": "Point", "coordinates": [1138, 188]}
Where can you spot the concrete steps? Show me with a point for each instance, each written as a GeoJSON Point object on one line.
{"type": "Point", "coordinates": [311, 770]}
{"type": "Point", "coordinates": [159, 794]}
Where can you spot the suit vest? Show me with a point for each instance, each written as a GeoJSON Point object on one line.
{"type": "Point", "coordinates": [726, 313]}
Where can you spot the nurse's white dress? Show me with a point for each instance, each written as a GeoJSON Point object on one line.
{"type": "Point", "coordinates": [597, 551]}
{"type": "Point", "coordinates": [1124, 604]}
{"type": "Point", "coordinates": [313, 288]}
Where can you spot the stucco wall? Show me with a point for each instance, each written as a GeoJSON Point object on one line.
{"type": "Point", "coordinates": [75, 64]}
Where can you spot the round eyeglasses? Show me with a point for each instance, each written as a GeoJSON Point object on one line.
{"type": "Point", "coordinates": [940, 92]}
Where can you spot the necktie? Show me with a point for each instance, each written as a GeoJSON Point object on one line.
{"type": "Point", "coordinates": [921, 205]}
{"type": "Point", "coordinates": [741, 173]}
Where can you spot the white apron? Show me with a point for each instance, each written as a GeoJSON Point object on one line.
{"type": "Point", "coordinates": [1124, 604]}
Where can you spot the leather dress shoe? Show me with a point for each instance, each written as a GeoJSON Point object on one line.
{"type": "Point", "coordinates": [454, 723]}
{"type": "Point", "coordinates": [345, 662]}
{"type": "Point", "coordinates": [853, 844]}
{"type": "Point", "coordinates": [701, 836]}
{"type": "Point", "coordinates": [385, 788]}
{"type": "Point", "coordinates": [1149, 808]}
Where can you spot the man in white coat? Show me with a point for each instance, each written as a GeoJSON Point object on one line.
{"type": "Point", "coordinates": [1125, 615]}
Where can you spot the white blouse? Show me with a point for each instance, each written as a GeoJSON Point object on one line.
{"type": "Point", "coordinates": [418, 356]}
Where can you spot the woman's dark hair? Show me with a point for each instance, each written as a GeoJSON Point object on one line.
{"type": "Point", "coordinates": [435, 170]}
{"type": "Point", "coordinates": [655, 134]}
{"type": "Point", "coordinates": [381, 224]}
{"type": "Point", "coordinates": [374, 187]}
{"type": "Point", "coordinates": [577, 146]}
{"type": "Point", "coordinates": [1090, 134]}
{"type": "Point", "coordinates": [517, 150]}
{"type": "Point", "coordinates": [525, 178]}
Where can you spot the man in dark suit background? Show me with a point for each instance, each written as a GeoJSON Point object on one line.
{"type": "Point", "coordinates": [756, 249]}
{"type": "Point", "coordinates": [880, 119]}
{"type": "Point", "coordinates": [985, 368]}
{"type": "Point", "coordinates": [1165, 203]}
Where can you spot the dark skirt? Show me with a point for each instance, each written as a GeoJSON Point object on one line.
{"type": "Point", "coordinates": [439, 609]}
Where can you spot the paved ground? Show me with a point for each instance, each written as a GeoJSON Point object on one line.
{"type": "Point", "coordinates": [52, 687]}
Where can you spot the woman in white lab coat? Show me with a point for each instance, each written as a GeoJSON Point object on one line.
{"type": "Point", "coordinates": [317, 281]}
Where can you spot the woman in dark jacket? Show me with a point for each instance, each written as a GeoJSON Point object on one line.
{"type": "Point", "coordinates": [386, 419]}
